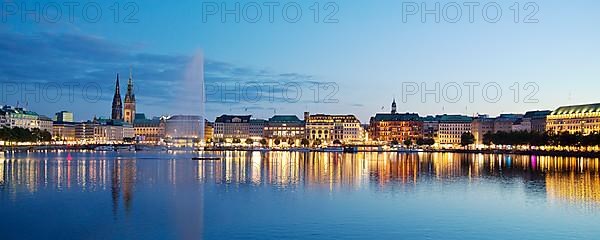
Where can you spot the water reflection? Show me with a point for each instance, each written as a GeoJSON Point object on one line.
{"type": "Point", "coordinates": [577, 188]}
{"type": "Point", "coordinates": [572, 180]}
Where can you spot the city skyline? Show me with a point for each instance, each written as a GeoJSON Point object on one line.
{"type": "Point", "coordinates": [382, 58]}
{"type": "Point", "coordinates": [288, 119]}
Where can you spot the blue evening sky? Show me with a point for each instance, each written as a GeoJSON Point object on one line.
{"type": "Point", "coordinates": [369, 54]}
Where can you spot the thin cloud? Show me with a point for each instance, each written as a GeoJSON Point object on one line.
{"type": "Point", "coordinates": [56, 58]}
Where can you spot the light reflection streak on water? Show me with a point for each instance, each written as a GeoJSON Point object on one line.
{"type": "Point", "coordinates": [572, 180]}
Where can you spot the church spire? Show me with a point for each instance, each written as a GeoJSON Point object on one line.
{"type": "Point", "coordinates": [130, 96]}
{"type": "Point", "coordinates": [129, 110]}
{"type": "Point", "coordinates": [117, 105]}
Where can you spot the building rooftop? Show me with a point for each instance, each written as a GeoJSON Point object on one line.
{"type": "Point", "coordinates": [140, 116]}
{"type": "Point", "coordinates": [429, 119]}
{"type": "Point", "coordinates": [454, 118]}
{"type": "Point", "coordinates": [64, 123]}
{"type": "Point", "coordinates": [577, 109]}
{"type": "Point", "coordinates": [514, 116]}
{"type": "Point", "coordinates": [388, 117]}
{"type": "Point", "coordinates": [537, 114]}
{"type": "Point", "coordinates": [233, 118]}
{"type": "Point", "coordinates": [44, 118]}
{"type": "Point", "coordinates": [185, 117]}
{"type": "Point", "coordinates": [285, 119]}
{"type": "Point", "coordinates": [111, 122]}
{"type": "Point", "coordinates": [258, 121]}
{"type": "Point", "coordinates": [146, 121]}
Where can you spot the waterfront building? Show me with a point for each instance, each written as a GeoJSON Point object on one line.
{"type": "Point", "coordinates": [63, 116]}
{"type": "Point", "coordinates": [522, 125]}
{"type": "Point", "coordinates": [505, 122]}
{"type": "Point", "coordinates": [108, 131]}
{"type": "Point", "coordinates": [431, 127]}
{"type": "Point", "coordinates": [45, 123]}
{"type": "Point", "coordinates": [256, 129]}
{"type": "Point", "coordinates": [583, 119]}
{"type": "Point", "coordinates": [481, 125]}
{"type": "Point", "coordinates": [328, 128]}
{"type": "Point", "coordinates": [451, 128]}
{"type": "Point", "coordinates": [184, 127]}
{"type": "Point", "coordinates": [129, 107]}
{"type": "Point", "coordinates": [537, 119]}
{"type": "Point", "coordinates": [365, 132]}
{"type": "Point", "coordinates": [84, 131]}
{"type": "Point", "coordinates": [108, 134]}
{"type": "Point", "coordinates": [3, 118]}
{"type": "Point", "coordinates": [230, 127]}
{"type": "Point", "coordinates": [117, 104]}
{"type": "Point", "coordinates": [64, 131]}
{"type": "Point", "coordinates": [388, 127]}
{"type": "Point", "coordinates": [20, 117]}
{"type": "Point", "coordinates": [284, 127]}
{"type": "Point", "coordinates": [150, 131]}
{"type": "Point", "coordinates": [209, 131]}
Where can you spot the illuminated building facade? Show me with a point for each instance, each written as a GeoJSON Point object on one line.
{"type": "Point", "coordinates": [505, 122]}
{"type": "Point", "coordinates": [284, 127]}
{"type": "Point", "coordinates": [229, 127]}
{"type": "Point", "coordinates": [584, 119]}
{"type": "Point", "coordinates": [256, 128]}
{"type": "Point", "coordinates": [452, 127]}
{"type": "Point", "coordinates": [431, 126]}
{"type": "Point", "coordinates": [481, 125]}
{"type": "Point", "coordinates": [396, 127]}
{"type": "Point", "coordinates": [328, 128]}
{"type": "Point", "coordinates": [209, 131]}
{"type": "Point", "coordinates": [45, 123]}
{"type": "Point", "coordinates": [102, 131]}
{"type": "Point", "coordinates": [537, 119]}
{"type": "Point", "coordinates": [64, 131]}
{"type": "Point", "coordinates": [84, 132]}
{"type": "Point", "coordinates": [63, 116]}
{"type": "Point", "coordinates": [184, 127]}
{"type": "Point", "coordinates": [149, 130]}
{"type": "Point", "coordinates": [19, 117]}
{"type": "Point", "coordinates": [112, 131]}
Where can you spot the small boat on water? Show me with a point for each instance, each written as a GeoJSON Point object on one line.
{"type": "Point", "coordinates": [183, 149]}
{"type": "Point", "coordinates": [151, 148]}
{"type": "Point", "coordinates": [129, 148]}
{"type": "Point", "coordinates": [106, 148]}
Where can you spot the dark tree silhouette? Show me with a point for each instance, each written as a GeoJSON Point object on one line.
{"type": "Point", "coordinates": [467, 139]}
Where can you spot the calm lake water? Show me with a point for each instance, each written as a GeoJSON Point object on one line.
{"type": "Point", "coordinates": [281, 195]}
